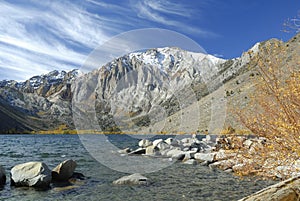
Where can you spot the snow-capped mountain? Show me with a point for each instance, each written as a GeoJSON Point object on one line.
{"type": "Point", "coordinates": [140, 85]}
{"type": "Point", "coordinates": [48, 80]}
{"type": "Point", "coordinates": [133, 91]}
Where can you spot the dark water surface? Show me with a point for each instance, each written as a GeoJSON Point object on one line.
{"type": "Point", "coordinates": [176, 182]}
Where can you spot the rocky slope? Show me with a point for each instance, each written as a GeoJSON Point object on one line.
{"type": "Point", "coordinates": [137, 90]}
{"type": "Point", "coordinates": [40, 103]}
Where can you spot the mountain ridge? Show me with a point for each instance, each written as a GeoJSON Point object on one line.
{"type": "Point", "coordinates": [130, 93]}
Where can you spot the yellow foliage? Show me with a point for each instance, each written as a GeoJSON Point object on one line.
{"type": "Point", "coordinates": [274, 111]}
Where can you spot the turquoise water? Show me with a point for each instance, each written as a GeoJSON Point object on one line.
{"type": "Point", "coordinates": [176, 182]}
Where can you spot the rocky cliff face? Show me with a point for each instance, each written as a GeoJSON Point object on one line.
{"type": "Point", "coordinates": [140, 89]}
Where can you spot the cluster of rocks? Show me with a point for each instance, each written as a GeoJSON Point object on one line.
{"type": "Point", "coordinates": [38, 175]}
{"type": "Point", "coordinates": [217, 152]}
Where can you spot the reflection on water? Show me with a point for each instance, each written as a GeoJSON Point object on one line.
{"type": "Point", "coordinates": [176, 182]}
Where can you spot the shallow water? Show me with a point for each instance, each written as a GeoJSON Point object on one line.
{"type": "Point", "coordinates": [175, 182]}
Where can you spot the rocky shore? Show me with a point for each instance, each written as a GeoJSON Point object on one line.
{"type": "Point", "coordinates": [222, 152]}
{"type": "Point", "coordinates": [216, 152]}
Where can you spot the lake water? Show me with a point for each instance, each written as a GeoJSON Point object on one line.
{"type": "Point", "coordinates": [175, 182]}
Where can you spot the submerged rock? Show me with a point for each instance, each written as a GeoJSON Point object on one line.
{"type": "Point", "coordinates": [2, 176]}
{"type": "Point", "coordinates": [134, 179]}
{"type": "Point", "coordinates": [191, 162]}
{"type": "Point", "coordinates": [124, 151]}
{"type": "Point", "coordinates": [35, 174]}
{"type": "Point", "coordinates": [64, 170]}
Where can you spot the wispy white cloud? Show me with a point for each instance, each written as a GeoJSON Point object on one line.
{"type": "Point", "coordinates": [38, 36]}
{"type": "Point", "coordinates": [170, 14]}
{"type": "Point", "coordinates": [34, 40]}
{"type": "Point", "coordinates": [169, 7]}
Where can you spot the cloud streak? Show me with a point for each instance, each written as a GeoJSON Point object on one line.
{"type": "Point", "coordinates": [39, 36]}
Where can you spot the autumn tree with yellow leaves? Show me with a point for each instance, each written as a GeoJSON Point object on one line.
{"type": "Point", "coordinates": [274, 110]}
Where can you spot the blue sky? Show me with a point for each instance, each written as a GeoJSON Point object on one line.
{"type": "Point", "coordinates": [39, 36]}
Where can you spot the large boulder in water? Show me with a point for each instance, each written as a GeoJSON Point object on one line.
{"type": "Point", "coordinates": [64, 170]}
{"type": "Point", "coordinates": [2, 176]}
{"type": "Point", "coordinates": [35, 174]}
{"type": "Point", "coordinates": [134, 179]}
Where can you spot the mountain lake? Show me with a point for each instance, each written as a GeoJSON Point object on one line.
{"type": "Point", "coordinates": [177, 181]}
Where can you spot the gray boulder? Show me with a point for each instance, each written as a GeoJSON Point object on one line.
{"type": "Point", "coordinates": [162, 146]}
{"type": "Point", "coordinates": [176, 154]}
{"type": "Point", "coordinates": [2, 176]}
{"type": "Point", "coordinates": [209, 157]}
{"type": "Point", "coordinates": [156, 142]}
{"type": "Point", "coordinates": [35, 174]}
{"type": "Point", "coordinates": [223, 165]}
{"type": "Point", "coordinates": [189, 155]}
{"type": "Point", "coordinates": [64, 170]}
{"type": "Point", "coordinates": [145, 143]}
{"type": "Point", "coordinates": [134, 179]}
{"type": "Point", "coordinates": [152, 151]}
{"type": "Point", "coordinates": [172, 142]}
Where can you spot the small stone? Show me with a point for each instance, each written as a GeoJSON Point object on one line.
{"type": "Point", "coordinates": [228, 170]}
{"type": "Point", "coordinates": [204, 163]}
{"type": "Point", "coordinates": [124, 151]}
{"type": "Point", "coordinates": [134, 179]}
{"type": "Point", "coordinates": [223, 165]}
{"type": "Point", "coordinates": [247, 143]}
{"type": "Point", "coordinates": [191, 162]}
